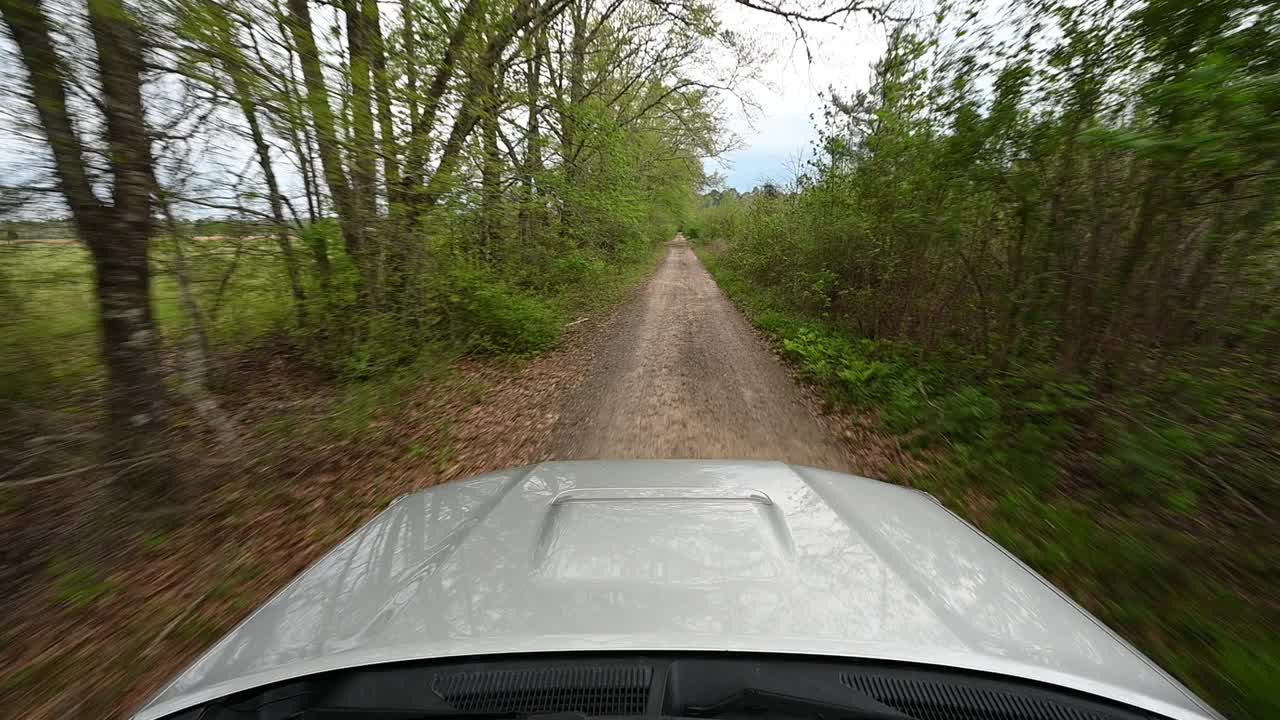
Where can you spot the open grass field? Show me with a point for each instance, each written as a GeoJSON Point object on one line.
{"type": "Point", "coordinates": [47, 308]}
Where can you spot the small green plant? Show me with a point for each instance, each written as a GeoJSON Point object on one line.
{"type": "Point", "coordinates": [199, 629]}
{"type": "Point", "coordinates": [444, 455]}
{"type": "Point", "coordinates": [362, 404]}
{"type": "Point", "coordinates": [573, 269]}
{"type": "Point", "coordinates": [79, 586]}
{"type": "Point", "coordinates": [154, 541]}
{"type": "Point", "coordinates": [51, 670]}
{"type": "Point", "coordinates": [10, 500]}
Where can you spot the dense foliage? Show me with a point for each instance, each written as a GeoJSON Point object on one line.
{"type": "Point", "coordinates": [1045, 251]}
{"type": "Point", "coordinates": [379, 179]}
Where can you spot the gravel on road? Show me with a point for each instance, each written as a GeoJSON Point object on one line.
{"type": "Point", "coordinates": [679, 373]}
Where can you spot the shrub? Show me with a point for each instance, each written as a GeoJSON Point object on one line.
{"type": "Point", "coordinates": [484, 315]}
{"type": "Point", "coordinates": [574, 268]}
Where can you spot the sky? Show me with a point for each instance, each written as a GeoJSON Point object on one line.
{"type": "Point", "coordinates": [777, 136]}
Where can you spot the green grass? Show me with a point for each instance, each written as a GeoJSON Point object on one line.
{"type": "Point", "coordinates": [1192, 595]}
{"type": "Point", "coordinates": [154, 541]}
{"type": "Point", "coordinates": [359, 405]}
{"type": "Point", "coordinates": [50, 356]}
{"type": "Point", "coordinates": [79, 586]}
{"type": "Point", "coordinates": [48, 311]}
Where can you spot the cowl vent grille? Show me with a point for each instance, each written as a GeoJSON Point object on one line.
{"type": "Point", "coordinates": [597, 690]}
{"type": "Point", "coordinates": [925, 700]}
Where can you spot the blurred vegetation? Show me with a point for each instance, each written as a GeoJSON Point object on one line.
{"type": "Point", "coordinates": [388, 192]}
{"type": "Point", "coordinates": [1044, 252]}
{"type": "Point", "coordinates": [50, 356]}
{"type": "Point", "coordinates": [47, 309]}
{"type": "Point", "coordinates": [466, 192]}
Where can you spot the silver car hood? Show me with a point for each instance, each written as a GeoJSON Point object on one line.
{"type": "Point", "coordinates": [675, 556]}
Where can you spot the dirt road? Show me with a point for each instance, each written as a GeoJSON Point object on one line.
{"type": "Point", "coordinates": [679, 373]}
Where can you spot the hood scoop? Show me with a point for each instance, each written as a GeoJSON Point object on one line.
{"type": "Point", "coordinates": [708, 535]}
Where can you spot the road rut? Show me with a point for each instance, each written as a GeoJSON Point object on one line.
{"type": "Point", "coordinates": [679, 373]}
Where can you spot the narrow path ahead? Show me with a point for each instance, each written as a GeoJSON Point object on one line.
{"type": "Point", "coordinates": [679, 373]}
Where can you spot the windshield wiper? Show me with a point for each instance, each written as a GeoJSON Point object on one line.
{"type": "Point", "coordinates": [754, 700]}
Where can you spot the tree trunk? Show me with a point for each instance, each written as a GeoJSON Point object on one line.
{"type": "Point", "coordinates": [420, 132]}
{"type": "Point", "coordinates": [409, 44]}
{"type": "Point", "coordinates": [569, 109]}
{"type": "Point", "coordinates": [195, 370]}
{"type": "Point", "coordinates": [382, 93]}
{"type": "Point", "coordinates": [1253, 230]}
{"type": "Point", "coordinates": [1206, 264]}
{"type": "Point", "coordinates": [300, 139]}
{"type": "Point", "coordinates": [1080, 331]}
{"type": "Point", "coordinates": [248, 108]}
{"type": "Point", "coordinates": [533, 140]}
{"type": "Point", "coordinates": [490, 171]}
{"type": "Point", "coordinates": [349, 215]}
{"type": "Point", "coordinates": [118, 235]}
{"type": "Point", "coordinates": [1013, 299]}
{"type": "Point", "coordinates": [140, 404]}
{"type": "Point", "coordinates": [363, 172]}
{"type": "Point", "coordinates": [479, 85]}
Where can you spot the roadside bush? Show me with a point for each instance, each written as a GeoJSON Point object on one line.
{"type": "Point", "coordinates": [465, 308]}
{"type": "Point", "coordinates": [574, 268]}
{"type": "Point", "coordinates": [483, 315]}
